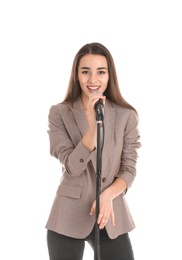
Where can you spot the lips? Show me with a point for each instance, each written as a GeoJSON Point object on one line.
{"type": "Point", "coordinates": [93, 88]}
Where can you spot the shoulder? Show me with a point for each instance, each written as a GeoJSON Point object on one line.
{"type": "Point", "coordinates": [127, 115]}
{"type": "Point", "coordinates": [122, 110]}
{"type": "Point", "coordinates": [59, 107]}
{"type": "Point", "coordinates": [58, 111]}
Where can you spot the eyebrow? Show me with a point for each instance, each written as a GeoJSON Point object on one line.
{"type": "Point", "coordinates": [87, 68]}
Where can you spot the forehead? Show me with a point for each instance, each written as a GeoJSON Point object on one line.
{"type": "Point", "coordinates": [93, 61]}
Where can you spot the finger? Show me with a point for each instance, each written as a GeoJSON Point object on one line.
{"type": "Point", "coordinates": [92, 102]}
{"type": "Point", "coordinates": [102, 220]}
{"type": "Point", "coordinates": [100, 217]}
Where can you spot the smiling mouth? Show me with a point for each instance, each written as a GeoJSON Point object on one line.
{"type": "Point", "coordinates": [93, 88]}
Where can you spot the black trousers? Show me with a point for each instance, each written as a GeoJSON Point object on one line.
{"type": "Point", "coordinates": [66, 248]}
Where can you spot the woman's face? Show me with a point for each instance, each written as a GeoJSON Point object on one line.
{"type": "Point", "coordinates": [93, 74]}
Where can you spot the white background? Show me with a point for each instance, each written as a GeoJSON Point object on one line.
{"type": "Point", "coordinates": [39, 40]}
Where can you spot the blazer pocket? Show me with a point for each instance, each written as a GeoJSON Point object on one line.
{"type": "Point", "coordinates": [69, 191]}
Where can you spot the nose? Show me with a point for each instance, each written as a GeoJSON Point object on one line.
{"type": "Point", "coordinates": [92, 78]}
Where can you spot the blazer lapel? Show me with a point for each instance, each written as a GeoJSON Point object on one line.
{"type": "Point", "coordinates": [80, 117]}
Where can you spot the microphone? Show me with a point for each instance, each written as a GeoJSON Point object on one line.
{"type": "Point", "coordinates": [99, 104]}
{"type": "Point", "coordinates": [99, 109]}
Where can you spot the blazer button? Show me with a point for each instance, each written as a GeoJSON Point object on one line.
{"type": "Point", "coordinates": [103, 179]}
{"type": "Point", "coordinates": [81, 160]}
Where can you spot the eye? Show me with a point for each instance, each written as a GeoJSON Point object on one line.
{"type": "Point", "coordinates": [85, 72]}
{"type": "Point", "coordinates": [101, 72]}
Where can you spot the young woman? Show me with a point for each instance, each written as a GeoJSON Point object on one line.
{"type": "Point", "coordinates": [73, 140]}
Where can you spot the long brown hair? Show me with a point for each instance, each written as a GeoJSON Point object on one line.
{"type": "Point", "coordinates": [112, 91]}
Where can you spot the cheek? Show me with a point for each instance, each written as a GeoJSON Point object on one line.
{"type": "Point", "coordinates": [81, 83]}
{"type": "Point", "coordinates": [81, 79]}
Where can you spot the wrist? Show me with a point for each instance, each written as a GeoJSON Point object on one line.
{"type": "Point", "coordinates": [109, 192]}
{"type": "Point", "coordinates": [116, 188]}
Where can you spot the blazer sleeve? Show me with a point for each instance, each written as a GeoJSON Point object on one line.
{"type": "Point", "coordinates": [129, 154]}
{"type": "Point", "coordinates": [73, 158]}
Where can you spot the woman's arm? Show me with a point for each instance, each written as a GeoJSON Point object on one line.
{"type": "Point", "coordinates": [125, 175]}
{"type": "Point", "coordinates": [106, 202]}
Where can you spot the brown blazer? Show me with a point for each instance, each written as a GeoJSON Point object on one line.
{"type": "Point", "coordinates": [76, 193]}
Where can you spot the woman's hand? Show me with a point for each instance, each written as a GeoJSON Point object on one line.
{"type": "Point", "coordinates": [93, 98]}
{"type": "Point", "coordinates": [106, 209]}
{"type": "Point", "coordinates": [90, 138]}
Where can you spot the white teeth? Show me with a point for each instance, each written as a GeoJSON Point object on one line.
{"type": "Point", "coordinates": [93, 88]}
